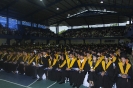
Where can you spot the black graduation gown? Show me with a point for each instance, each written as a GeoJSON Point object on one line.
{"type": "Point", "coordinates": [124, 82]}
{"type": "Point", "coordinates": [45, 64]}
{"type": "Point", "coordinates": [105, 81]}
{"type": "Point", "coordinates": [14, 65]}
{"type": "Point", "coordinates": [1, 61]}
{"type": "Point", "coordinates": [52, 73]}
{"type": "Point", "coordinates": [9, 65]}
{"type": "Point", "coordinates": [93, 75]}
{"type": "Point", "coordinates": [79, 76]}
{"type": "Point", "coordinates": [21, 67]}
{"type": "Point", "coordinates": [6, 66]}
{"type": "Point", "coordinates": [60, 75]}
{"type": "Point", "coordinates": [35, 69]}
{"type": "Point", "coordinates": [28, 68]}
{"type": "Point", "coordinates": [71, 73]}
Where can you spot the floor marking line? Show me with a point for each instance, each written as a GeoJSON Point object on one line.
{"type": "Point", "coordinates": [15, 83]}
{"type": "Point", "coordinates": [32, 83]}
{"type": "Point", "coordinates": [52, 84]}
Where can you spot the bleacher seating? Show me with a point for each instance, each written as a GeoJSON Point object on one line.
{"type": "Point", "coordinates": [8, 31]}
{"type": "Point", "coordinates": [38, 32]}
{"type": "Point", "coordinates": [95, 32]}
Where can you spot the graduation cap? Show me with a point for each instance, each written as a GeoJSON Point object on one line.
{"type": "Point", "coordinates": [88, 52]}
{"type": "Point", "coordinates": [123, 55]}
{"type": "Point", "coordinates": [63, 55]}
{"type": "Point", "coordinates": [53, 56]}
{"type": "Point", "coordinates": [107, 55]}
{"type": "Point", "coordinates": [111, 52]}
{"type": "Point", "coordinates": [95, 55]}
{"type": "Point", "coordinates": [43, 50]}
{"type": "Point", "coordinates": [81, 53]}
{"type": "Point", "coordinates": [70, 53]}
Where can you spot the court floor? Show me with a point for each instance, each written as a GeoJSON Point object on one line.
{"type": "Point", "coordinates": [10, 80]}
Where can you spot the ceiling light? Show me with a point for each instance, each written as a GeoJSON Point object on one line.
{"type": "Point", "coordinates": [40, 0]}
{"type": "Point", "coordinates": [57, 8]}
{"type": "Point", "coordinates": [101, 2]}
{"type": "Point", "coordinates": [104, 10]}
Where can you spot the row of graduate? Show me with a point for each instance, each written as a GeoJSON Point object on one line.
{"type": "Point", "coordinates": [104, 70]}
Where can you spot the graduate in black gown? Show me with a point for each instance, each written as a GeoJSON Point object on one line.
{"type": "Point", "coordinates": [60, 72]}
{"type": "Point", "coordinates": [22, 62]}
{"type": "Point", "coordinates": [93, 65]}
{"type": "Point", "coordinates": [81, 71]}
{"type": "Point", "coordinates": [71, 64]}
{"type": "Point", "coordinates": [44, 64]}
{"type": "Point", "coordinates": [105, 73]}
{"type": "Point", "coordinates": [15, 61]}
{"type": "Point", "coordinates": [28, 66]}
{"type": "Point", "coordinates": [124, 73]}
{"type": "Point", "coordinates": [7, 66]}
{"type": "Point", "coordinates": [37, 64]}
{"type": "Point", "coordinates": [53, 65]}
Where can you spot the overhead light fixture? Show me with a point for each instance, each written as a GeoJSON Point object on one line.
{"type": "Point", "coordinates": [101, 1]}
{"type": "Point", "coordinates": [68, 15]}
{"type": "Point", "coordinates": [104, 10]}
{"type": "Point", "coordinates": [57, 8]}
{"type": "Point", "coordinates": [41, 0]}
{"type": "Point", "coordinates": [76, 13]}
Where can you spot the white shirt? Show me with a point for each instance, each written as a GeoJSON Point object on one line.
{"type": "Point", "coordinates": [82, 61]}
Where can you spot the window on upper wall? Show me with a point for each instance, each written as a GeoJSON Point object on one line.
{"type": "Point", "coordinates": [26, 23]}
{"type": "Point", "coordinates": [34, 25]}
{"type": "Point", "coordinates": [13, 24]}
{"type": "Point", "coordinates": [3, 21]}
{"type": "Point", "coordinates": [41, 26]}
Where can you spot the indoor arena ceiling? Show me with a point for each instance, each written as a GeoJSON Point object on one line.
{"type": "Point", "coordinates": [68, 12]}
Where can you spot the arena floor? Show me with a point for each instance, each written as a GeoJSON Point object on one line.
{"type": "Point", "coordinates": [10, 80]}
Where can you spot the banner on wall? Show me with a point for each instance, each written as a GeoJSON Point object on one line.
{"type": "Point", "coordinates": [77, 41]}
{"type": "Point", "coordinates": [94, 41]}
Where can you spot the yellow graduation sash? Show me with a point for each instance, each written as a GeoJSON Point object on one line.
{"type": "Point", "coordinates": [106, 67]}
{"type": "Point", "coordinates": [67, 56]}
{"type": "Point", "coordinates": [56, 56]}
{"type": "Point", "coordinates": [9, 57]}
{"type": "Point", "coordinates": [97, 63]}
{"type": "Point", "coordinates": [25, 58]}
{"type": "Point", "coordinates": [101, 58]}
{"type": "Point", "coordinates": [121, 68]}
{"type": "Point", "coordinates": [2, 56]}
{"type": "Point", "coordinates": [60, 66]}
{"type": "Point", "coordinates": [69, 65]}
{"type": "Point", "coordinates": [14, 58]}
{"type": "Point", "coordinates": [31, 60]}
{"type": "Point", "coordinates": [89, 58]}
{"type": "Point", "coordinates": [37, 57]}
{"type": "Point", "coordinates": [81, 67]}
{"type": "Point", "coordinates": [114, 59]}
{"type": "Point", "coordinates": [52, 64]}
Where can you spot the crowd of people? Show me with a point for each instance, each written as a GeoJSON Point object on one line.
{"type": "Point", "coordinates": [38, 32]}
{"type": "Point", "coordinates": [105, 64]}
{"type": "Point", "coordinates": [28, 31]}
{"type": "Point", "coordinates": [95, 32]}
{"type": "Point", "coordinates": [70, 33]}
{"type": "Point", "coordinates": [8, 31]}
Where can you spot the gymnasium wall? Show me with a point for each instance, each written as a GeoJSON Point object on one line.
{"type": "Point", "coordinates": [40, 41]}
{"type": "Point", "coordinates": [79, 41]}
{"type": "Point", "coordinates": [90, 41]}
{"type": "Point", "coordinates": [73, 41]}
{"type": "Point", "coordinates": [2, 41]}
